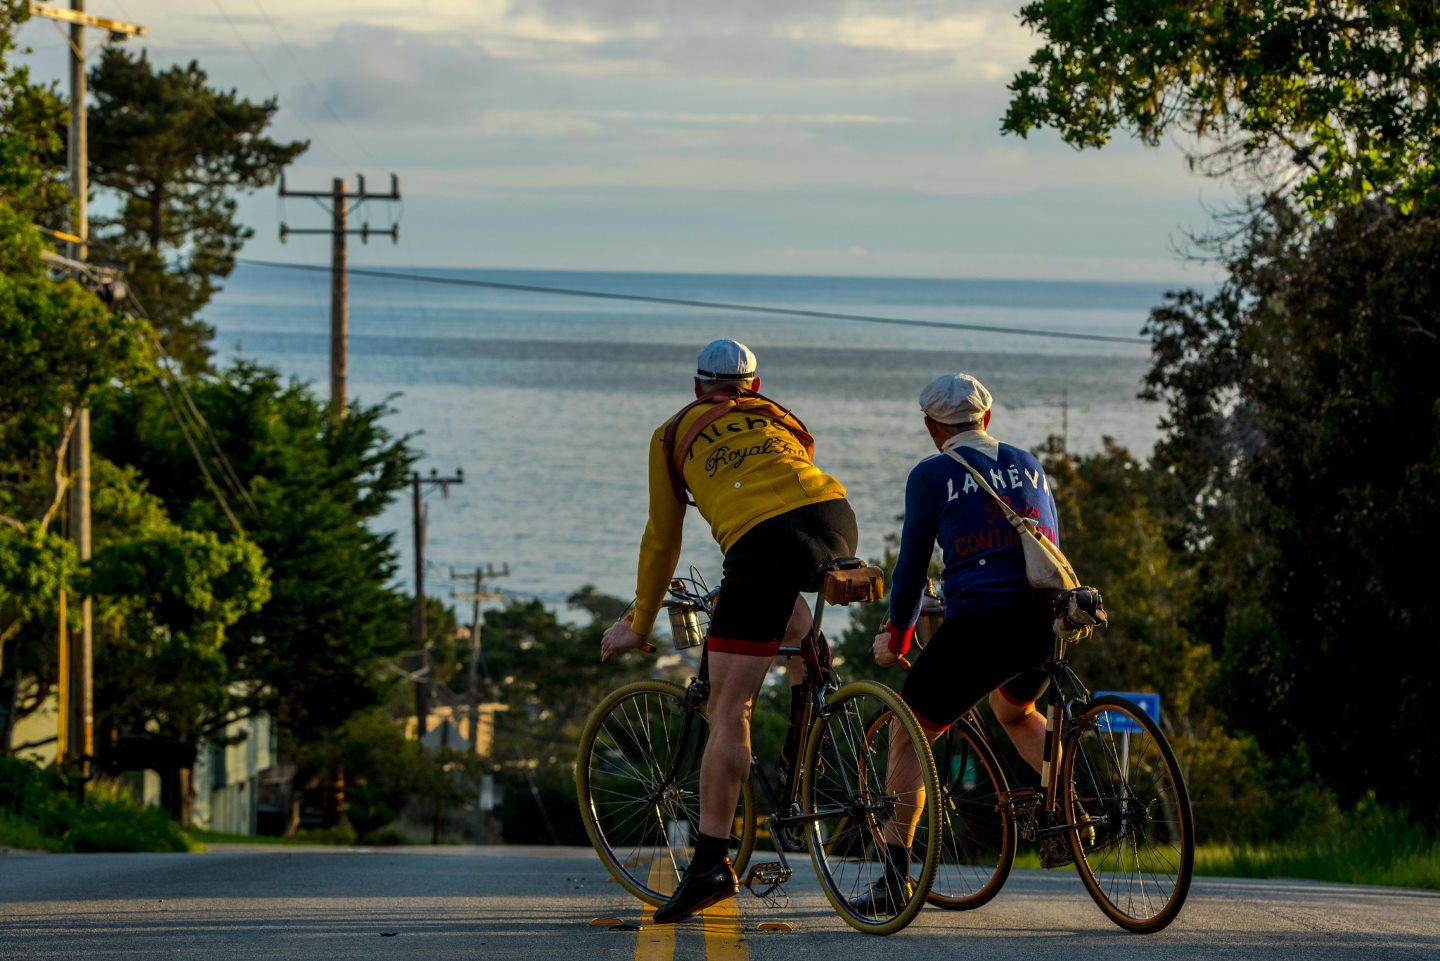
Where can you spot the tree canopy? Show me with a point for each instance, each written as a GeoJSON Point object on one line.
{"type": "Point", "coordinates": [1339, 99]}
{"type": "Point", "coordinates": [316, 651]}
{"type": "Point", "coordinates": [1303, 443]}
{"type": "Point", "coordinates": [173, 152]}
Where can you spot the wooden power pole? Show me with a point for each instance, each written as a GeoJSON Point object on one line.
{"type": "Point", "coordinates": [339, 230]}
{"type": "Point", "coordinates": [473, 674]}
{"type": "Point", "coordinates": [422, 675]}
{"type": "Point", "coordinates": [79, 461]}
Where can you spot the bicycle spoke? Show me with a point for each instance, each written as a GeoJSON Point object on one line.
{"type": "Point", "coordinates": [856, 737]}
{"type": "Point", "coordinates": [1122, 781]}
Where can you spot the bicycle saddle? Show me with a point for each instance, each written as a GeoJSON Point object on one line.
{"type": "Point", "coordinates": [847, 580]}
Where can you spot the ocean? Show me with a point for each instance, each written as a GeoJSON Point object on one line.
{"type": "Point", "coordinates": [547, 403]}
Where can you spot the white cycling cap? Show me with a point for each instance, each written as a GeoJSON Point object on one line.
{"type": "Point", "coordinates": [955, 399]}
{"type": "Point", "coordinates": [725, 360]}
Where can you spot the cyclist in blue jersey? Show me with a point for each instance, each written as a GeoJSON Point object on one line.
{"type": "Point", "coordinates": [997, 628]}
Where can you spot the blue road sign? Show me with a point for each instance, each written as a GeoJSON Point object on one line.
{"type": "Point", "coordinates": [1145, 700]}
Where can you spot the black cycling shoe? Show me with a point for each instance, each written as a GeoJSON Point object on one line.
{"type": "Point", "coordinates": [698, 891]}
{"type": "Point", "coordinates": [884, 899]}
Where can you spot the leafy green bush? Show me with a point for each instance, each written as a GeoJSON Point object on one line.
{"type": "Point", "coordinates": [15, 833]}
{"type": "Point", "coordinates": [38, 810]}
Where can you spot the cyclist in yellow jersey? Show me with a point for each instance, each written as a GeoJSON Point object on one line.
{"type": "Point", "coordinates": [747, 461]}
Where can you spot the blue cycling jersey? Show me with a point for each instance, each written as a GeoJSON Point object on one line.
{"type": "Point", "coordinates": [984, 563]}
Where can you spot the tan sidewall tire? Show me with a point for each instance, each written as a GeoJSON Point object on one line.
{"type": "Point", "coordinates": [1187, 822]}
{"type": "Point", "coordinates": [587, 811]}
{"type": "Point", "coordinates": [930, 816]}
{"type": "Point", "coordinates": [1007, 846]}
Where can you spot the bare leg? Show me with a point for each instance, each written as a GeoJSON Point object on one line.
{"type": "Point", "coordinates": [798, 627]}
{"type": "Point", "coordinates": [1024, 725]}
{"type": "Point", "coordinates": [902, 778]}
{"type": "Point", "coordinates": [734, 681]}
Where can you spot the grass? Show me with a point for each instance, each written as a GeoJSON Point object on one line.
{"type": "Point", "coordinates": [204, 839]}
{"type": "Point", "coordinates": [1366, 847]}
{"type": "Point", "coordinates": [333, 837]}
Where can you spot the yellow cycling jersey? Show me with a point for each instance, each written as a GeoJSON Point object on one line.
{"type": "Point", "coordinates": [741, 470]}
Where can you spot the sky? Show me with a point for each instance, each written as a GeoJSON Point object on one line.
{"type": "Point", "coordinates": [733, 136]}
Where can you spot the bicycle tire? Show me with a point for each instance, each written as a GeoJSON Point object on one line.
{"type": "Point", "coordinates": [978, 835]}
{"type": "Point", "coordinates": [843, 774]}
{"type": "Point", "coordinates": [618, 748]}
{"type": "Point", "coordinates": [1123, 786]}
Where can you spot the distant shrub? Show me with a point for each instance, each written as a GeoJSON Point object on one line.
{"type": "Point", "coordinates": [38, 810]}
{"type": "Point", "coordinates": [342, 836]}
{"type": "Point", "coordinates": [15, 833]}
{"type": "Point", "coordinates": [386, 838]}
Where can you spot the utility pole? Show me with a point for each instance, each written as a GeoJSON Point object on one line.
{"type": "Point", "coordinates": [1065, 419]}
{"type": "Point", "coordinates": [422, 676]}
{"type": "Point", "coordinates": [79, 461]}
{"type": "Point", "coordinates": [473, 674]}
{"type": "Point", "coordinates": [339, 265]}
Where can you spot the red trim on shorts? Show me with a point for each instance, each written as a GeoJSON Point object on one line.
{"type": "Point", "coordinates": [732, 645]}
{"type": "Point", "coordinates": [928, 724]}
{"type": "Point", "coordinates": [1006, 695]}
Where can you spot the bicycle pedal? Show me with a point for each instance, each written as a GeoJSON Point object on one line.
{"type": "Point", "coordinates": [766, 877]}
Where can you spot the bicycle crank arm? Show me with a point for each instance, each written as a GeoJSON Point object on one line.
{"type": "Point", "coordinates": [879, 808]}
{"type": "Point", "coordinates": [772, 824]}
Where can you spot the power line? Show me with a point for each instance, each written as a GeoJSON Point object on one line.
{"type": "Point", "coordinates": [249, 52]}
{"type": "Point", "coordinates": [705, 304]}
{"type": "Point", "coordinates": [305, 75]}
{"type": "Point", "coordinates": [200, 461]}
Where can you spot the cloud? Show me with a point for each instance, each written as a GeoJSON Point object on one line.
{"type": "Point", "coordinates": [765, 57]}
{"type": "Point", "coordinates": [662, 16]}
{"type": "Point", "coordinates": [386, 76]}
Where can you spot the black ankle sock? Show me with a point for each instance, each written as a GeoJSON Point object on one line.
{"type": "Point", "coordinates": [708, 853]}
{"type": "Point", "coordinates": [897, 864]}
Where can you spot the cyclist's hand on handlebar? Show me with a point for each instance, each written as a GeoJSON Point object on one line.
{"type": "Point", "coordinates": [883, 655]}
{"type": "Point", "coordinates": [620, 637]}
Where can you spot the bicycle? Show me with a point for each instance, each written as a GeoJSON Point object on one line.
{"type": "Point", "coordinates": [1111, 797]}
{"type": "Point", "coordinates": [637, 774]}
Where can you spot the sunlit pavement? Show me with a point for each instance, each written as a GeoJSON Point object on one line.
{"type": "Point", "coordinates": [432, 903]}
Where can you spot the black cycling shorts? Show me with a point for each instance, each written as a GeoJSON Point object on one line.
{"type": "Point", "coordinates": [768, 567]}
{"type": "Point", "coordinates": [974, 654]}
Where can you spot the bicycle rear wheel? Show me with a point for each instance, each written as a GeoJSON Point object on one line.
{"type": "Point", "coordinates": [1136, 849]}
{"type": "Point", "coordinates": [843, 788]}
{"type": "Point", "coordinates": [977, 834]}
{"type": "Point", "coordinates": [637, 778]}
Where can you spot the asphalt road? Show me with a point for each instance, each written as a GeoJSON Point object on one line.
{"type": "Point", "coordinates": [256, 904]}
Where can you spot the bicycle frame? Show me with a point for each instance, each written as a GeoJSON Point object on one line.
{"type": "Point", "coordinates": [784, 809]}
{"type": "Point", "coordinates": [1067, 696]}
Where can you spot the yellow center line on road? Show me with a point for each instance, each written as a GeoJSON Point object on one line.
{"type": "Point", "coordinates": [724, 937]}
{"type": "Point", "coordinates": [656, 942]}
{"type": "Point", "coordinates": [721, 926]}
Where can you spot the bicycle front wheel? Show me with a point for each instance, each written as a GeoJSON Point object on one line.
{"type": "Point", "coordinates": [863, 738]}
{"type": "Point", "coordinates": [637, 778]}
{"type": "Point", "coordinates": [1134, 843]}
{"type": "Point", "coordinates": [977, 834]}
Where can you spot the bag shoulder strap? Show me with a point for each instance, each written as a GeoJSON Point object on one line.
{"type": "Point", "coordinates": [1015, 519]}
{"type": "Point", "coordinates": [1022, 525]}
{"type": "Point", "coordinates": [722, 402]}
